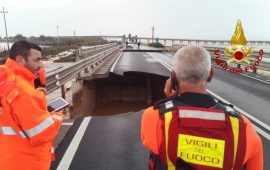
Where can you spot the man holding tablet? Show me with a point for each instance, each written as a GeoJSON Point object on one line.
{"type": "Point", "coordinates": [27, 128]}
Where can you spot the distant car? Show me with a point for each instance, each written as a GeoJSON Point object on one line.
{"type": "Point", "coordinates": [129, 46]}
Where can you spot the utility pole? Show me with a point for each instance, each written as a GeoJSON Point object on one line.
{"type": "Point", "coordinates": [74, 37]}
{"type": "Point", "coordinates": [153, 33]}
{"type": "Point", "coordinates": [57, 26]}
{"type": "Point", "coordinates": [5, 25]}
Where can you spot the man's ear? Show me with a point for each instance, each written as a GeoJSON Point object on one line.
{"type": "Point", "coordinates": [20, 60]}
{"type": "Point", "coordinates": [211, 75]}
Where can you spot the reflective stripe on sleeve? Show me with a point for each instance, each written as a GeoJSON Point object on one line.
{"type": "Point", "coordinates": [10, 131]}
{"type": "Point", "coordinates": [57, 117]}
{"type": "Point", "coordinates": [40, 127]}
{"type": "Point", "coordinates": [6, 130]}
{"type": "Point", "coordinates": [201, 115]}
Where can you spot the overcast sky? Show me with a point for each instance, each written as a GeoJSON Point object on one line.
{"type": "Point", "coordinates": [196, 19]}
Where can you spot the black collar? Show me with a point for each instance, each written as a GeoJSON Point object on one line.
{"type": "Point", "coordinates": [198, 99]}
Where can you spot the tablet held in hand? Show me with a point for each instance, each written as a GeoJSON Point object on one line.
{"type": "Point", "coordinates": [57, 104]}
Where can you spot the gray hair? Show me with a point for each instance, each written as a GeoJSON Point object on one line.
{"type": "Point", "coordinates": [192, 64]}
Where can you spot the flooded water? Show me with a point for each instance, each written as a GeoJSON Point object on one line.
{"type": "Point", "coordinates": [3, 46]}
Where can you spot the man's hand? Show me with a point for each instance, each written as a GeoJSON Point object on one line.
{"type": "Point", "coordinates": [42, 89]}
{"type": "Point", "coordinates": [61, 111]}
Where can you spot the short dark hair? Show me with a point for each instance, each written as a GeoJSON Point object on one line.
{"type": "Point", "coordinates": [22, 48]}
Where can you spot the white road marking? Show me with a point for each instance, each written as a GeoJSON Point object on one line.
{"type": "Point", "coordinates": [263, 133]}
{"type": "Point", "coordinates": [260, 131]}
{"type": "Point", "coordinates": [168, 66]}
{"type": "Point", "coordinates": [248, 76]}
{"type": "Point", "coordinates": [114, 64]}
{"type": "Point", "coordinates": [73, 146]}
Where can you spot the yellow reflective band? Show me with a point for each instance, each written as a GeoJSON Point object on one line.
{"type": "Point", "coordinates": [201, 151]}
{"type": "Point", "coordinates": [235, 129]}
{"type": "Point", "coordinates": [168, 118]}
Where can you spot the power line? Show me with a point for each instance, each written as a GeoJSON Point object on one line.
{"type": "Point", "coordinates": [5, 25]}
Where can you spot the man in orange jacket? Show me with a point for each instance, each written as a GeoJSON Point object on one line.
{"type": "Point", "coordinates": [192, 130]}
{"type": "Point", "coordinates": [40, 80]}
{"type": "Point", "coordinates": [27, 129]}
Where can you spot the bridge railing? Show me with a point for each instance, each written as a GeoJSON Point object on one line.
{"type": "Point", "coordinates": [222, 49]}
{"type": "Point", "coordinates": [57, 78]}
{"type": "Point", "coordinates": [89, 50]}
{"type": "Point", "coordinates": [263, 65]}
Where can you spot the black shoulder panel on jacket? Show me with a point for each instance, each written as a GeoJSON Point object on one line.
{"type": "Point", "coordinates": [168, 104]}
{"type": "Point", "coordinates": [228, 109]}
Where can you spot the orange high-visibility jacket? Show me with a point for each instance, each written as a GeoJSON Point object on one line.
{"type": "Point", "coordinates": [27, 129]}
{"type": "Point", "coordinates": [152, 135]}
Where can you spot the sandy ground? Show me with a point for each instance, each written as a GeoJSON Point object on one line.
{"type": "Point", "coordinates": [61, 55]}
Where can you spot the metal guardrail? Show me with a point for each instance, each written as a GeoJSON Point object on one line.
{"type": "Point", "coordinates": [87, 51]}
{"type": "Point", "coordinates": [263, 65]}
{"type": "Point", "coordinates": [265, 54]}
{"type": "Point", "coordinates": [58, 78]}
